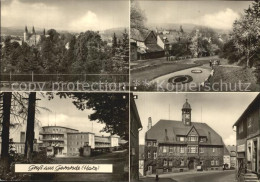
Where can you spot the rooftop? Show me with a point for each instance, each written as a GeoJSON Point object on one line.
{"type": "Point", "coordinates": [175, 128]}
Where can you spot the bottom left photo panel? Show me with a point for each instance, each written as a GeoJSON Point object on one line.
{"type": "Point", "coordinates": [64, 136]}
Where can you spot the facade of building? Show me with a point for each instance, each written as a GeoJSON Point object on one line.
{"type": "Point", "coordinates": [248, 138]}
{"type": "Point", "coordinates": [173, 146]}
{"type": "Point", "coordinates": [135, 127]}
{"type": "Point", "coordinates": [32, 38]}
{"type": "Point", "coordinates": [55, 139]}
{"type": "Point", "coordinates": [146, 42]}
{"type": "Point", "coordinates": [233, 156]}
{"type": "Point", "coordinates": [79, 140]}
{"type": "Point", "coordinates": [141, 160]}
{"type": "Point", "coordinates": [63, 141]}
{"type": "Point", "coordinates": [230, 157]}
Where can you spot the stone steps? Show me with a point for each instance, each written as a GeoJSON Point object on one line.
{"type": "Point", "coordinates": [250, 177]}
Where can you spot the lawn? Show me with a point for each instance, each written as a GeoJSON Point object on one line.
{"type": "Point", "coordinates": [153, 72]}
{"type": "Point", "coordinates": [233, 75]}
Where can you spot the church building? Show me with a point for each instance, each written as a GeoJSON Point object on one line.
{"type": "Point", "coordinates": [177, 146]}
{"type": "Point", "coordinates": [32, 39]}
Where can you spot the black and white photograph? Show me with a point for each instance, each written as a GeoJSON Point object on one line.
{"type": "Point", "coordinates": [64, 45]}
{"type": "Point", "coordinates": [64, 129]}
{"type": "Point", "coordinates": [130, 90]}
{"type": "Point", "coordinates": [195, 46]}
{"type": "Point", "coordinates": [195, 137]}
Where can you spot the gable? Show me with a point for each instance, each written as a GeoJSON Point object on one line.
{"type": "Point", "coordinates": [151, 38]}
{"type": "Point", "coordinates": [193, 132]}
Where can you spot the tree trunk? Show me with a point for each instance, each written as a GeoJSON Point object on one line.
{"type": "Point", "coordinates": [30, 127]}
{"type": "Point", "coordinates": [7, 97]}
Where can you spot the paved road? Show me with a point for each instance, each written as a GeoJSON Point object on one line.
{"type": "Point", "coordinates": [215, 176]}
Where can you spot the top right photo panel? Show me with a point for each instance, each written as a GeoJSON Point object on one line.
{"type": "Point", "coordinates": [195, 46]}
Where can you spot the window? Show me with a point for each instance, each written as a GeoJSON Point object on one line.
{"type": "Point", "coordinates": [192, 138]}
{"type": "Point", "coordinates": [181, 149]}
{"type": "Point", "coordinates": [154, 155]}
{"type": "Point", "coordinates": [164, 162]}
{"type": "Point", "coordinates": [149, 144]}
{"type": "Point", "coordinates": [249, 122]}
{"type": "Point", "coordinates": [164, 149]}
{"type": "Point", "coordinates": [203, 139]}
{"type": "Point", "coordinates": [171, 149]}
{"type": "Point", "coordinates": [182, 162]}
{"type": "Point", "coordinates": [201, 163]}
{"type": "Point", "coordinates": [201, 150]}
{"type": "Point", "coordinates": [182, 139]}
{"type": "Point", "coordinates": [149, 154]}
{"type": "Point", "coordinates": [170, 163]}
{"type": "Point", "coordinates": [213, 150]}
{"type": "Point", "coordinates": [154, 144]}
{"type": "Point", "coordinates": [217, 162]}
{"type": "Point", "coordinates": [212, 163]}
{"type": "Point", "coordinates": [193, 149]}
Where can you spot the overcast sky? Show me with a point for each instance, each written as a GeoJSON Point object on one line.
{"type": "Point", "coordinates": [75, 15]}
{"type": "Point", "coordinates": [219, 110]}
{"type": "Point", "coordinates": [64, 113]}
{"type": "Point", "coordinates": [215, 14]}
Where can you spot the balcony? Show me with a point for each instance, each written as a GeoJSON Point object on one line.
{"type": "Point", "coordinates": [50, 133]}
{"type": "Point", "coordinates": [52, 139]}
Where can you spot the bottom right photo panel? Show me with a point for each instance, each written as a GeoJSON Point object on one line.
{"type": "Point", "coordinates": [195, 137]}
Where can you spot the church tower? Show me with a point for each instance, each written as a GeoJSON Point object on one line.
{"type": "Point", "coordinates": [25, 34]}
{"type": "Point", "coordinates": [186, 113]}
{"type": "Point", "coordinates": [33, 30]}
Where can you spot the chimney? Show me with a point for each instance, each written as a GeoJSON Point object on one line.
{"type": "Point", "coordinates": [149, 123]}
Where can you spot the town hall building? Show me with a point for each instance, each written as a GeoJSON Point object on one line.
{"type": "Point", "coordinates": [176, 146]}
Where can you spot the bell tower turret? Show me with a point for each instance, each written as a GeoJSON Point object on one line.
{"type": "Point", "coordinates": [186, 113]}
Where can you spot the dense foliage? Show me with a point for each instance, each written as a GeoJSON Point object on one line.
{"type": "Point", "coordinates": [244, 44]}
{"type": "Point", "coordinates": [65, 54]}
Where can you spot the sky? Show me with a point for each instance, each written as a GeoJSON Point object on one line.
{"type": "Point", "coordinates": [214, 14]}
{"type": "Point", "coordinates": [219, 110]}
{"type": "Point", "coordinates": [64, 113]}
{"type": "Point", "coordinates": [72, 15]}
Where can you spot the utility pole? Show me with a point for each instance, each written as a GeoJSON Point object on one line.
{"type": "Point", "coordinates": [30, 126]}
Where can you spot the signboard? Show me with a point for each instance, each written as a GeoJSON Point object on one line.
{"type": "Point", "coordinates": [241, 148]}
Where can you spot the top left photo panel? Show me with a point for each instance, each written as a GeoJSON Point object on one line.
{"type": "Point", "coordinates": [64, 45]}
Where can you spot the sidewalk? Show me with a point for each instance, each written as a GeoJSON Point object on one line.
{"type": "Point", "coordinates": [185, 173]}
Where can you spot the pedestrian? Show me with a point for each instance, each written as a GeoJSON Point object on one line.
{"type": "Point", "coordinates": [210, 63]}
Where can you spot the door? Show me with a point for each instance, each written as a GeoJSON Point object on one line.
{"type": "Point", "coordinates": [191, 164]}
{"type": "Point", "coordinates": [255, 157]}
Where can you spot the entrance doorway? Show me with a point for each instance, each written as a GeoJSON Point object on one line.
{"type": "Point", "coordinates": [191, 164]}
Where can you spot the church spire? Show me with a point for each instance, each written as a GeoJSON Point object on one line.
{"type": "Point", "coordinates": [33, 30]}
{"type": "Point", "coordinates": [26, 29]}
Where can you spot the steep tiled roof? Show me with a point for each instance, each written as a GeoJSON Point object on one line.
{"type": "Point", "coordinates": [226, 151]}
{"type": "Point", "coordinates": [153, 48]}
{"type": "Point", "coordinates": [139, 35]}
{"type": "Point", "coordinates": [174, 128]}
{"type": "Point", "coordinates": [232, 150]}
